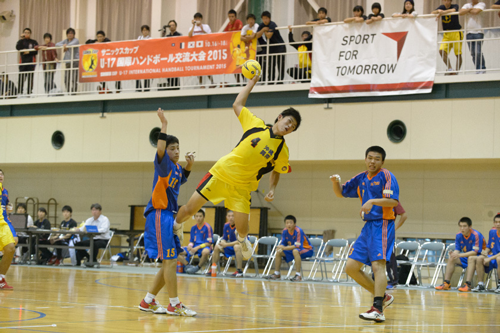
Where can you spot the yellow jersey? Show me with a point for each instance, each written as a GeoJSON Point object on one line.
{"type": "Point", "coordinates": [259, 151]}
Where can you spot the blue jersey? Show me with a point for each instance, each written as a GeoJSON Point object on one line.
{"type": "Point", "coordinates": [201, 235]}
{"type": "Point", "coordinates": [474, 242]}
{"type": "Point", "coordinates": [297, 238]}
{"type": "Point", "coordinates": [229, 234]}
{"type": "Point", "coordinates": [5, 202]}
{"type": "Point", "coordinates": [494, 241]}
{"type": "Point", "coordinates": [382, 185]}
{"type": "Point", "coordinates": [167, 181]}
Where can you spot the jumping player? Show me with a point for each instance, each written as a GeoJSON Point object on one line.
{"type": "Point", "coordinates": [262, 149]}
{"type": "Point", "coordinates": [378, 190]}
{"type": "Point", "coordinates": [159, 240]}
{"type": "Point", "coordinates": [7, 245]}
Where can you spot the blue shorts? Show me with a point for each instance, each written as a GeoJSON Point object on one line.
{"type": "Point", "coordinates": [376, 242]}
{"type": "Point", "coordinates": [198, 253]}
{"type": "Point", "coordinates": [159, 239]}
{"type": "Point", "coordinates": [493, 265]}
{"type": "Point", "coordinates": [464, 261]}
{"type": "Point", "coordinates": [305, 254]}
{"type": "Point", "coordinates": [14, 234]}
{"type": "Point", "coordinates": [229, 251]}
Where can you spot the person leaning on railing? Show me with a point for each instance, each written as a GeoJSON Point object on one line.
{"type": "Point", "coordinates": [71, 72]}
{"type": "Point", "coordinates": [450, 39]}
{"type": "Point", "coordinates": [408, 10]}
{"type": "Point", "coordinates": [268, 29]}
{"type": "Point", "coordinates": [358, 15]}
{"type": "Point", "coordinates": [474, 12]}
{"type": "Point", "coordinates": [48, 59]}
{"type": "Point", "coordinates": [27, 57]}
{"type": "Point", "coordinates": [303, 72]}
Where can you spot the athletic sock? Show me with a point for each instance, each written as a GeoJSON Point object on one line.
{"type": "Point", "coordinates": [149, 298]}
{"type": "Point", "coordinates": [297, 273]}
{"type": "Point", "coordinates": [378, 303]}
{"type": "Point", "coordinates": [240, 239]}
{"type": "Point", "coordinates": [177, 225]}
{"type": "Point", "coordinates": [276, 273]}
{"type": "Point", "coordinates": [2, 276]}
{"type": "Point", "coordinates": [239, 270]}
{"type": "Point", "coordinates": [467, 283]}
{"type": "Point", "coordinates": [174, 301]}
{"type": "Point", "coordinates": [481, 283]}
{"type": "Point", "coordinates": [447, 281]}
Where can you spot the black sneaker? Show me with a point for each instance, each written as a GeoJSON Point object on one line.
{"type": "Point", "coordinates": [296, 278]}
{"type": "Point", "coordinates": [479, 288]}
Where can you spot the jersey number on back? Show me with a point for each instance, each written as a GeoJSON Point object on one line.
{"type": "Point", "coordinates": [255, 142]}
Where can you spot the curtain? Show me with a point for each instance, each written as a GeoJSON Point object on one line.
{"type": "Point", "coordinates": [43, 16]}
{"type": "Point", "coordinates": [215, 12]}
{"type": "Point", "coordinates": [338, 10]}
{"type": "Point", "coordinates": [122, 19]}
{"type": "Point", "coordinates": [490, 19]}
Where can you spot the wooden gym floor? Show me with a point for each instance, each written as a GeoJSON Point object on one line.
{"type": "Point", "coordinates": [75, 300]}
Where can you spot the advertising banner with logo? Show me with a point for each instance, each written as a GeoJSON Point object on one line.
{"type": "Point", "coordinates": [390, 57]}
{"type": "Point", "coordinates": [210, 54]}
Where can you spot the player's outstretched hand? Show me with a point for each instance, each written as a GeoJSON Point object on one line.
{"type": "Point", "coordinates": [269, 196]}
{"type": "Point", "coordinates": [335, 178]}
{"type": "Point", "coordinates": [161, 115]}
{"type": "Point", "coordinates": [256, 78]}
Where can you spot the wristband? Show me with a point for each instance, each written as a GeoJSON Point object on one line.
{"type": "Point", "coordinates": [162, 136]}
{"type": "Point", "coordinates": [203, 246]}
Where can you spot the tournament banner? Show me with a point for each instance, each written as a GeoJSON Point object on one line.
{"type": "Point", "coordinates": [389, 57]}
{"type": "Point", "coordinates": [210, 54]}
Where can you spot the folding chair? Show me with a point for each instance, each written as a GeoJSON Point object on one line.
{"type": "Point", "coordinates": [215, 240]}
{"type": "Point", "coordinates": [252, 240]}
{"type": "Point", "coordinates": [108, 247]}
{"type": "Point", "coordinates": [425, 248]}
{"type": "Point", "coordinates": [492, 275]}
{"type": "Point", "coordinates": [442, 266]}
{"type": "Point", "coordinates": [317, 244]}
{"type": "Point", "coordinates": [270, 241]}
{"type": "Point", "coordinates": [406, 249]}
{"type": "Point", "coordinates": [336, 259]}
{"type": "Point", "coordinates": [139, 247]}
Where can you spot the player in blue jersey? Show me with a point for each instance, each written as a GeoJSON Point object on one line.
{"type": "Point", "coordinates": [294, 245]}
{"type": "Point", "coordinates": [491, 259]}
{"type": "Point", "coordinates": [6, 204]}
{"type": "Point", "coordinates": [229, 245]}
{"type": "Point", "coordinates": [378, 190]}
{"type": "Point", "coordinates": [469, 244]}
{"type": "Point", "coordinates": [200, 243]}
{"type": "Point", "coordinates": [159, 239]}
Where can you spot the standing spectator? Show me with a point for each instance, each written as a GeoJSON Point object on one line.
{"type": "Point", "coordinates": [27, 57]}
{"type": "Point", "coordinates": [474, 12]}
{"type": "Point", "coordinates": [359, 15]}
{"type": "Point", "coordinates": [408, 10]}
{"type": "Point", "coordinates": [450, 39]}
{"type": "Point", "coordinates": [7, 87]}
{"type": "Point", "coordinates": [234, 23]}
{"type": "Point", "coordinates": [174, 82]}
{"type": "Point", "coordinates": [62, 239]}
{"type": "Point", "coordinates": [199, 28]}
{"type": "Point", "coordinates": [303, 72]}
{"type": "Point", "coordinates": [145, 35]}
{"type": "Point", "coordinates": [101, 38]}
{"type": "Point", "coordinates": [43, 223]}
{"type": "Point", "coordinates": [277, 60]}
{"type": "Point", "coordinates": [321, 19]}
{"type": "Point", "coordinates": [376, 15]}
{"type": "Point", "coordinates": [49, 57]}
{"type": "Point", "coordinates": [71, 59]}
{"type": "Point", "coordinates": [248, 34]}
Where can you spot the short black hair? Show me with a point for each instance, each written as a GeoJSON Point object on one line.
{"type": "Point", "coordinates": [377, 5]}
{"type": "Point", "coordinates": [291, 217]}
{"type": "Point", "coordinates": [27, 29]}
{"type": "Point", "coordinates": [306, 33]}
{"type": "Point", "coordinates": [251, 16]}
{"type": "Point", "coordinates": [47, 35]}
{"type": "Point", "coordinates": [292, 113]}
{"type": "Point", "coordinates": [465, 220]}
{"type": "Point", "coordinates": [376, 149]}
{"type": "Point", "coordinates": [1, 169]}
{"type": "Point", "coordinates": [202, 212]}
{"type": "Point", "coordinates": [412, 7]}
{"type": "Point", "coordinates": [70, 30]}
{"type": "Point", "coordinates": [171, 140]}
{"type": "Point", "coordinates": [231, 11]}
{"type": "Point", "coordinates": [96, 206]}
{"type": "Point", "coordinates": [359, 9]}
{"type": "Point", "coordinates": [322, 9]}
{"type": "Point", "coordinates": [23, 205]}
{"type": "Point", "coordinates": [100, 32]}
{"type": "Point", "coordinates": [42, 209]}
{"type": "Point", "coordinates": [198, 15]}
{"type": "Point", "coordinates": [265, 13]}
{"type": "Point", "coordinates": [496, 217]}
{"type": "Point", "coordinates": [145, 26]}
{"type": "Point", "coordinates": [67, 208]}
{"type": "Point", "coordinates": [171, 22]}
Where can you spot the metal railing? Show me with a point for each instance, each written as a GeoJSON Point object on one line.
{"type": "Point", "coordinates": [60, 78]}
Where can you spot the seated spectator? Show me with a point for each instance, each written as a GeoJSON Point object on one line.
{"type": "Point", "coordinates": [22, 236]}
{"type": "Point", "coordinates": [100, 241]}
{"type": "Point", "coordinates": [450, 39]}
{"type": "Point", "coordinates": [408, 10]}
{"type": "Point", "coordinates": [71, 59]}
{"type": "Point", "coordinates": [144, 35]}
{"type": "Point", "coordinates": [376, 14]}
{"type": "Point", "coordinates": [358, 17]}
{"type": "Point", "coordinates": [468, 246]}
{"type": "Point", "coordinates": [49, 57]}
{"type": "Point", "coordinates": [321, 19]}
{"type": "Point", "coordinates": [234, 23]}
{"type": "Point", "coordinates": [62, 239]}
{"type": "Point", "coordinates": [303, 72]}
{"type": "Point", "coordinates": [277, 58]}
{"type": "Point", "coordinates": [294, 245]}
{"type": "Point", "coordinates": [199, 28]}
{"type": "Point", "coordinates": [248, 34]}
{"type": "Point", "coordinates": [229, 245]}
{"type": "Point", "coordinates": [491, 258]}
{"type": "Point", "coordinates": [7, 87]}
{"type": "Point", "coordinates": [475, 17]}
{"type": "Point", "coordinates": [200, 242]}
{"type": "Point", "coordinates": [42, 223]}
{"type": "Point", "coordinates": [27, 57]}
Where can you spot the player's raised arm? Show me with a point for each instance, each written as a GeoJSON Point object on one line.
{"type": "Point", "coordinates": [162, 137]}
{"type": "Point", "coordinates": [274, 179]}
{"type": "Point", "coordinates": [337, 188]}
{"type": "Point", "coordinates": [242, 97]}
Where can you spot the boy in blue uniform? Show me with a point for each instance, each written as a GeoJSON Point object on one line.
{"type": "Point", "coordinates": [469, 244]}
{"type": "Point", "coordinates": [294, 245]}
{"type": "Point", "coordinates": [5, 204]}
{"type": "Point", "coordinates": [159, 239]}
{"type": "Point", "coordinates": [200, 242]}
{"type": "Point", "coordinates": [487, 262]}
{"type": "Point", "coordinates": [378, 190]}
{"type": "Point", "coordinates": [229, 245]}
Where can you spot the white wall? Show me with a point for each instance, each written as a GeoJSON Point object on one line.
{"type": "Point", "coordinates": [9, 32]}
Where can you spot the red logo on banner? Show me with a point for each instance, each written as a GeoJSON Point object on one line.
{"type": "Point", "coordinates": [399, 37]}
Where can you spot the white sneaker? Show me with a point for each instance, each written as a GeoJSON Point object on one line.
{"type": "Point", "coordinates": [246, 248]}
{"type": "Point", "coordinates": [180, 310]}
{"type": "Point", "coordinates": [498, 289]}
{"type": "Point", "coordinates": [152, 307]}
{"type": "Point", "coordinates": [479, 288]}
{"type": "Point", "coordinates": [373, 314]}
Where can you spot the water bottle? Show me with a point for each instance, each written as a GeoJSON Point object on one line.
{"type": "Point", "coordinates": [180, 267]}
{"type": "Point", "coordinates": [214, 270]}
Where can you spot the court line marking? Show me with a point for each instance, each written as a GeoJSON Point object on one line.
{"type": "Point", "coordinates": [23, 327]}
{"type": "Point", "coordinates": [40, 315]}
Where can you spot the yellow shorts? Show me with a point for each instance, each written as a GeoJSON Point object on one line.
{"type": "Point", "coordinates": [452, 39]}
{"type": "Point", "coordinates": [5, 236]}
{"type": "Point", "coordinates": [215, 191]}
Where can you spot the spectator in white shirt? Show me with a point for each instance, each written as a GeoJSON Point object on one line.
{"type": "Point", "coordinates": [474, 11]}
{"type": "Point", "coordinates": [199, 28]}
{"type": "Point", "coordinates": [408, 10]}
{"type": "Point", "coordinates": [145, 35]}
{"type": "Point", "coordinates": [101, 240]}
{"type": "Point", "coordinates": [248, 34]}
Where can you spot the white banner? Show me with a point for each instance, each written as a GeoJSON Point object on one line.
{"type": "Point", "coordinates": [390, 57]}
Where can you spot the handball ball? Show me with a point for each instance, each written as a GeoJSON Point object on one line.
{"type": "Point", "coordinates": [250, 68]}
